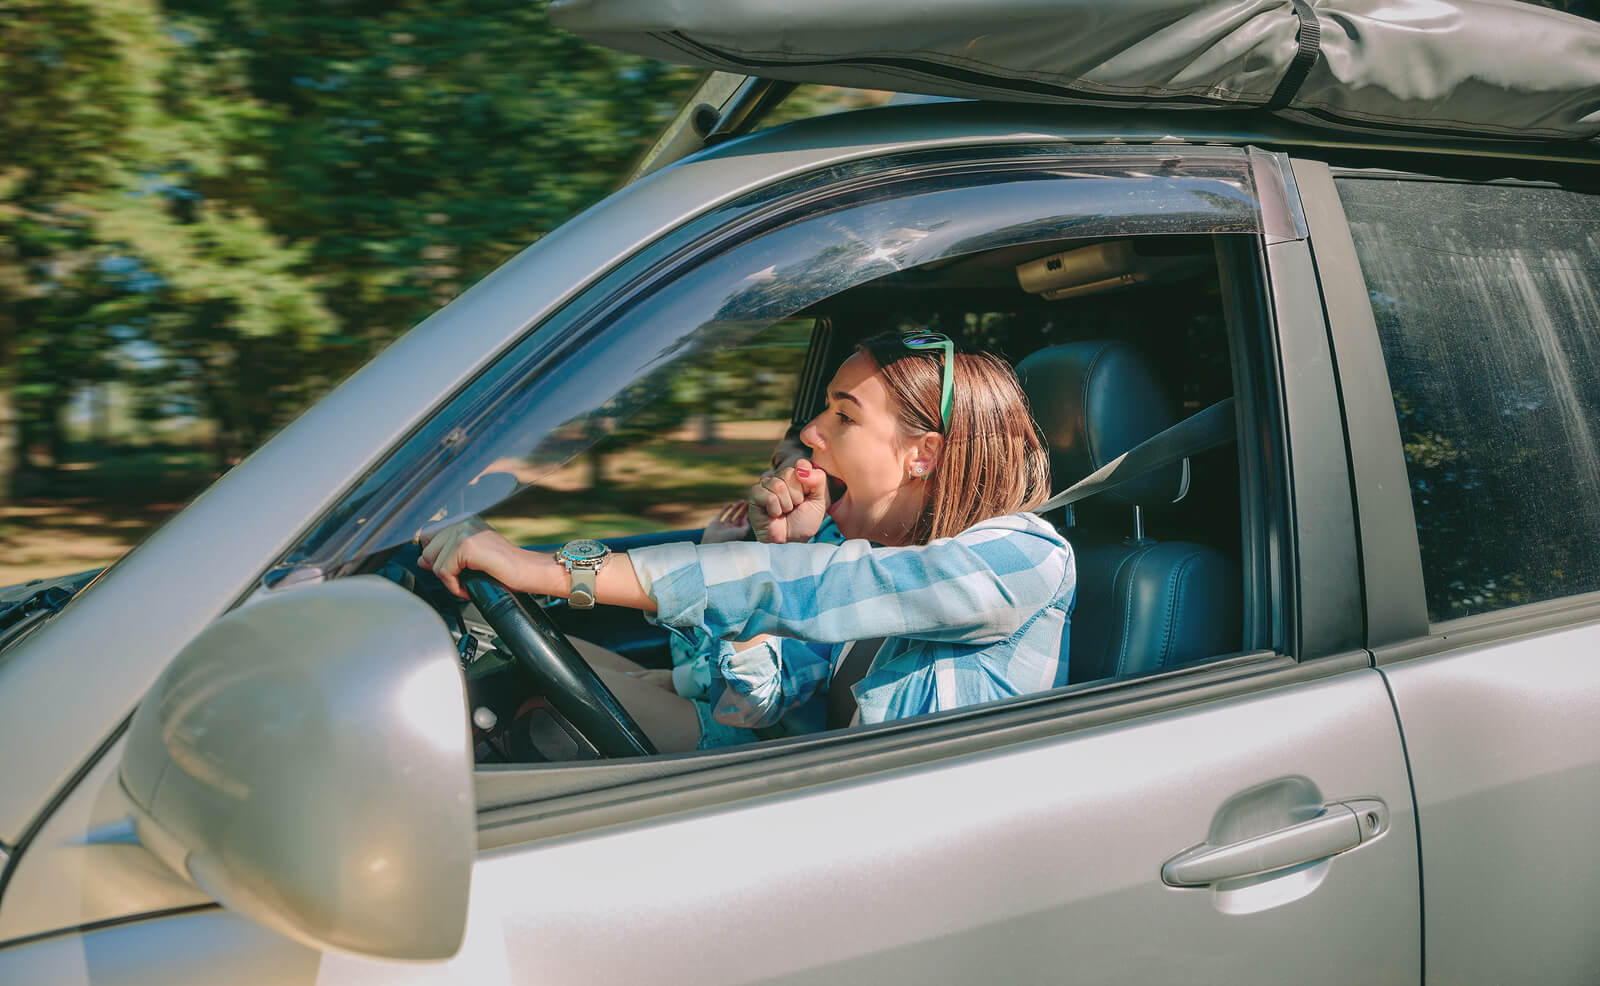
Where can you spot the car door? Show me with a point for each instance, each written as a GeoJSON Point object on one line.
{"type": "Point", "coordinates": [1243, 819]}
{"type": "Point", "coordinates": [1026, 842]}
{"type": "Point", "coordinates": [1471, 305]}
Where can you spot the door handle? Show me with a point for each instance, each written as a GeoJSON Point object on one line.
{"type": "Point", "coordinates": [1339, 827]}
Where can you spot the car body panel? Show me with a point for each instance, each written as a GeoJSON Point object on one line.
{"type": "Point", "coordinates": [1505, 760]}
{"type": "Point", "coordinates": [187, 947]}
{"type": "Point", "coordinates": [972, 868]}
{"type": "Point", "coordinates": [85, 865]}
{"type": "Point", "coordinates": [1497, 710]}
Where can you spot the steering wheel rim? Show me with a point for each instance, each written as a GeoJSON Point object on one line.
{"type": "Point", "coordinates": [561, 673]}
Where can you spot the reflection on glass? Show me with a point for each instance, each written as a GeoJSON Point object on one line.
{"type": "Point", "coordinates": [666, 452]}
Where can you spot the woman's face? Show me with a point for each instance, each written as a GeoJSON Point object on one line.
{"type": "Point", "coordinates": [858, 441]}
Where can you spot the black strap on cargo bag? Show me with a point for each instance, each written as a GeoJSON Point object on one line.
{"type": "Point", "coordinates": [1309, 38]}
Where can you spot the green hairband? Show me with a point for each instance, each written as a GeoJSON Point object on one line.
{"type": "Point", "coordinates": [937, 340]}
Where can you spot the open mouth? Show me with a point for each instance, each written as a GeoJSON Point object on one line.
{"type": "Point", "coordinates": [836, 489]}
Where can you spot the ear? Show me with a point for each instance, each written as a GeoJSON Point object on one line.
{"type": "Point", "coordinates": [923, 457]}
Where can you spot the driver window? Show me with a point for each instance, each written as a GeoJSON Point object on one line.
{"type": "Point", "coordinates": [638, 421]}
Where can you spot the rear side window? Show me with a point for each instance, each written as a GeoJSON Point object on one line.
{"type": "Point", "coordinates": [1487, 299]}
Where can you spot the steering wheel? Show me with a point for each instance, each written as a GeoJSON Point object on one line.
{"type": "Point", "coordinates": [560, 671]}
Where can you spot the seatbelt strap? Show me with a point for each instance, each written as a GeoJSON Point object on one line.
{"type": "Point", "coordinates": [841, 701]}
{"type": "Point", "coordinates": [1195, 434]}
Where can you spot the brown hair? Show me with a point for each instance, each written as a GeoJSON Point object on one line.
{"type": "Point", "coordinates": [993, 460]}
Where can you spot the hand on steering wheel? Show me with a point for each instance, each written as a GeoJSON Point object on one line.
{"type": "Point", "coordinates": [470, 544]}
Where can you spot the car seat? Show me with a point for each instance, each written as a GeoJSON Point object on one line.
{"type": "Point", "coordinates": [1141, 605]}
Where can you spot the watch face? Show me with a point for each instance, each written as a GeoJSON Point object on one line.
{"type": "Point", "coordinates": [584, 550]}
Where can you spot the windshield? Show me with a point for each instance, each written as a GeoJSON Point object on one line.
{"type": "Point", "coordinates": [24, 608]}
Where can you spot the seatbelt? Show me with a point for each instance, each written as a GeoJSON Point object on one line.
{"type": "Point", "coordinates": [841, 701]}
{"type": "Point", "coordinates": [1195, 434]}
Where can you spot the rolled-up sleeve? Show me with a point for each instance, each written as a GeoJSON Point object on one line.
{"type": "Point", "coordinates": [767, 679]}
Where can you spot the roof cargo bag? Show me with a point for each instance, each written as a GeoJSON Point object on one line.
{"type": "Point", "coordinates": [1460, 68]}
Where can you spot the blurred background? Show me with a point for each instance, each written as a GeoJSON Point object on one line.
{"type": "Point", "coordinates": [213, 210]}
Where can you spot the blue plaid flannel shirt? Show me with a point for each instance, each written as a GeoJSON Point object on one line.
{"type": "Point", "coordinates": [972, 618]}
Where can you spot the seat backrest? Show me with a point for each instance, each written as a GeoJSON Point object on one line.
{"type": "Point", "coordinates": [1141, 605]}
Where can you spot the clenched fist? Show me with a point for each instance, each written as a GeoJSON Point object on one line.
{"type": "Point", "coordinates": [790, 506]}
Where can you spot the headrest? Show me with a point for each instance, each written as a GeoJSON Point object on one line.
{"type": "Point", "coordinates": [1094, 400]}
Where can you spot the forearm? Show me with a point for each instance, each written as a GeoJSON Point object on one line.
{"type": "Point", "coordinates": [616, 583]}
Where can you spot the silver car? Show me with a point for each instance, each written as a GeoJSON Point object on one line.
{"type": "Point", "coordinates": [1328, 403]}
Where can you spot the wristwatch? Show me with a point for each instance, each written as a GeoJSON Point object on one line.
{"type": "Point", "coordinates": [582, 559]}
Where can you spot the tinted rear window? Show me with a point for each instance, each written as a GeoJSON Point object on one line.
{"type": "Point", "coordinates": [1487, 305]}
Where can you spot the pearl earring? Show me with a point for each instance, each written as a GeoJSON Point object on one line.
{"type": "Point", "coordinates": [916, 470]}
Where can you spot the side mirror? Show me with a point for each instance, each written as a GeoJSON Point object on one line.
{"type": "Point", "coordinates": [306, 761]}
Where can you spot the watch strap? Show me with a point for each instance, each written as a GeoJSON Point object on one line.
{"type": "Point", "coordinates": [582, 595]}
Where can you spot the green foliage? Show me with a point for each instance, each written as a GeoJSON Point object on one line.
{"type": "Point", "coordinates": [109, 240]}
{"type": "Point", "coordinates": [232, 204]}
{"type": "Point", "coordinates": [69, 86]}
{"type": "Point", "coordinates": [415, 146]}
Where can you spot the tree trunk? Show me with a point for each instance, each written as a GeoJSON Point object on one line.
{"type": "Point", "coordinates": [8, 426]}
{"type": "Point", "coordinates": [55, 432]}
{"type": "Point", "coordinates": [709, 434]}
{"type": "Point", "coordinates": [10, 288]}
{"type": "Point", "coordinates": [100, 411]}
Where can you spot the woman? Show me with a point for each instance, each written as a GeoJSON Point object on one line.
{"type": "Point", "coordinates": [924, 462]}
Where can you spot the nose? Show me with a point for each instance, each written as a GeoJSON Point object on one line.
{"type": "Point", "coordinates": [811, 435]}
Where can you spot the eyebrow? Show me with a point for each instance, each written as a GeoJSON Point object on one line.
{"type": "Point", "coordinates": [845, 395]}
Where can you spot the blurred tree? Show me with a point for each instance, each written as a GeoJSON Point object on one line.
{"type": "Point", "coordinates": [414, 146]}
{"type": "Point", "coordinates": [70, 83]}
{"type": "Point", "coordinates": [110, 122]}
{"type": "Point", "coordinates": [264, 195]}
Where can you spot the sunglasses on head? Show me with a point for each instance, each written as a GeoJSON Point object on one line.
{"type": "Point", "coordinates": [937, 340]}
